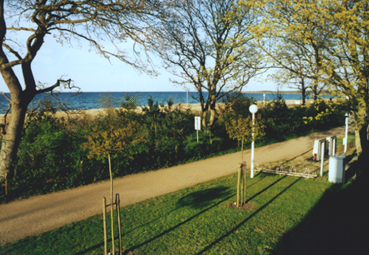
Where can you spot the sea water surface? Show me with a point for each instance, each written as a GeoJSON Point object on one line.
{"type": "Point", "coordinates": [91, 100]}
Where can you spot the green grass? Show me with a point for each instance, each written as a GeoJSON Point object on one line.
{"type": "Point", "coordinates": [351, 138]}
{"type": "Point", "coordinates": [193, 220]}
{"type": "Point", "coordinates": [288, 214]}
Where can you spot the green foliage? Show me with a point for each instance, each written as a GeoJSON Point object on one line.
{"type": "Point", "coordinates": [242, 128]}
{"type": "Point", "coordinates": [239, 103]}
{"type": "Point", "coordinates": [101, 143]}
{"type": "Point", "coordinates": [129, 103]}
{"type": "Point", "coordinates": [57, 153]}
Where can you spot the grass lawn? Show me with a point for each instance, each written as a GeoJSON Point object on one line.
{"type": "Point", "coordinates": [289, 215]}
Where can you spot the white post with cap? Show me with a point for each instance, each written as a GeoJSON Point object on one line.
{"type": "Point", "coordinates": [253, 109]}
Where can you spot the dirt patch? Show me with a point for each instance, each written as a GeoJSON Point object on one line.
{"type": "Point", "coordinates": [245, 207]}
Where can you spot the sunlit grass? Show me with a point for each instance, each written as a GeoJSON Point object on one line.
{"type": "Point", "coordinates": [351, 138]}
{"type": "Point", "coordinates": [194, 220]}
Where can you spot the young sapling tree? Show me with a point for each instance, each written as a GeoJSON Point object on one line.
{"type": "Point", "coordinates": [241, 128]}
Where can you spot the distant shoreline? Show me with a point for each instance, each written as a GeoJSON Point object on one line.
{"type": "Point", "coordinates": [195, 108]}
{"type": "Point", "coordinates": [273, 92]}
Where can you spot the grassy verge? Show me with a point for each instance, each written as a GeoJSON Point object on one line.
{"type": "Point", "coordinates": [351, 138]}
{"type": "Point", "coordinates": [198, 220]}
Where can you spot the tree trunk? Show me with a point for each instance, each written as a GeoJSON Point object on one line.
{"type": "Point", "coordinates": [212, 114]}
{"type": "Point", "coordinates": [361, 140]}
{"type": "Point", "coordinates": [203, 120]}
{"type": "Point", "coordinates": [11, 140]}
{"type": "Point", "coordinates": [303, 91]}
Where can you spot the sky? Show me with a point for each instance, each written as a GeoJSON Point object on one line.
{"type": "Point", "coordinates": [93, 73]}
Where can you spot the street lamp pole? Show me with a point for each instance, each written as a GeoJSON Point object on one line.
{"type": "Point", "coordinates": [253, 109]}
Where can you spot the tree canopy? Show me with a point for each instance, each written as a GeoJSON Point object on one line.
{"type": "Point", "coordinates": [94, 21]}
{"type": "Point", "coordinates": [333, 35]}
{"type": "Point", "coordinates": [206, 43]}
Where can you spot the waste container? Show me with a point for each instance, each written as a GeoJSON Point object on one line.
{"type": "Point", "coordinates": [336, 172]}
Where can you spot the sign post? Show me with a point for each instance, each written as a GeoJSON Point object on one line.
{"type": "Point", "coordinates": [197, 126]}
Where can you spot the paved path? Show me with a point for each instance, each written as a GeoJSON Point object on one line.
{"type": "Point", "coordinates": [39, 214]}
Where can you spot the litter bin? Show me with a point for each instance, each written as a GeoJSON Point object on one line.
{"type": "Point", "coordinates": [336, 172]}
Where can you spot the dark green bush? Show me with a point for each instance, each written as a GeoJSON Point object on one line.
{"type": "Point", "coordinates": [51, 158]}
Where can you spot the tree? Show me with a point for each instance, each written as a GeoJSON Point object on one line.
{"type": "Point", "coordinates": [334, 34]}
{"type": "Point", "coordinates": [66, 20]}
{"type": "Point", "coordinates": [243, 129]}
{"type": "Point", "coordinates": [206, 43]}
{"type": "Point", "coordinates": [305, 85]}
{"type": "Point", "coordinates": [102, 143]}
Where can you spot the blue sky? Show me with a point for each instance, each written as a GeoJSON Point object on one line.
{"type": "Point", "coordinates": [91, 72]}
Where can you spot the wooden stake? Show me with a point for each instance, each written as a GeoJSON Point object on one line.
{"type": "Point", "coordinates": [117, 203]}
{"type": "Point", "coordinates": [112, 207]}
{"type": "Point", "coordinates": [104, 223]}
{"type": "Point", "coordinates": [238, 186]}
{"type": "Point", "coordinates": [244, 183]}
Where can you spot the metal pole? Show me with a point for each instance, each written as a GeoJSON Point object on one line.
{"type": "Point", "coordinates": [252, 146]}
{"type": "Point", "coordinates": [346, 132]}
{"type": "Point", "coordinates": [334, 147]}
{"type": "Point", "coordinates": [197, 135]}
{"type": "Point", "coordinates": [322, 159]}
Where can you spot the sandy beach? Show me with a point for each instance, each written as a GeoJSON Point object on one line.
{"type": "Point", "coordinates": [195, 108]}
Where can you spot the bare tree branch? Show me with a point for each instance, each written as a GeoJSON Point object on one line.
{"type": "Point", "coordinates": [16, 54]}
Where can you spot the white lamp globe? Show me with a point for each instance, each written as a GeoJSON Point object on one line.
{"type": "Point", "coordinates": [253, 108]}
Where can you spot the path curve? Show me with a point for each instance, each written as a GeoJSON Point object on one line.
{"type": "Point", "coordinates": [39, 214]}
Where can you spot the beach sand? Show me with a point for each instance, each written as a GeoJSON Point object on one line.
{"type": "Point", "coordinates": [93, 113]}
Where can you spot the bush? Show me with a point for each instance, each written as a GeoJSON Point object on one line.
{"type": "Point", "coordinates": [51, 158]}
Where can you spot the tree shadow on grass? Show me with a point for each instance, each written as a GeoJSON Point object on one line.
{"type": "Point", "coordinates": [208, 247]}
{"type": "Point", "coordinates": [203, 198]}
{"type": "Point", "coordinates": [338, 224]}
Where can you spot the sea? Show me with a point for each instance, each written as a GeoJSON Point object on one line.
{"type": "Point", "coordinates": [92, 100]}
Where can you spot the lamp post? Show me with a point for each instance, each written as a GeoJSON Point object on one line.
{"type": "Point", "coordinates": [346, 132]}
{"type": "Point", "coordinates": [253, 109]}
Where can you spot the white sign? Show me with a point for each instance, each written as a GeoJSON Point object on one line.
{"type": "Point", "coordinates": [197, 123]}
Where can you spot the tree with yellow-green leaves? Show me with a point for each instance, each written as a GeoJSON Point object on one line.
{"type": "Point", "coordinates": [101, 144]}
{"type": "Point", "coordinates": [334, 36]}
{"type": "Point", "coordinates": [207, 45]}
{"type": "Point", "coordinates": [244, 129]}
